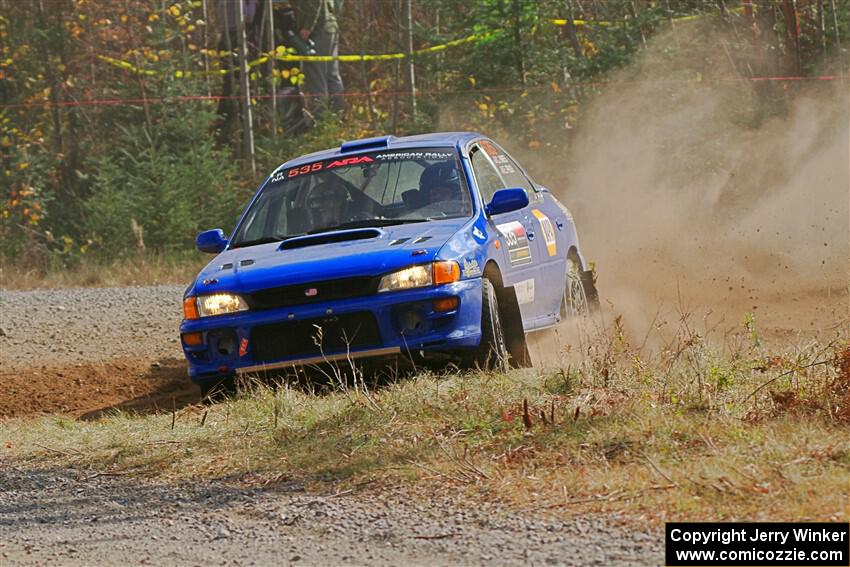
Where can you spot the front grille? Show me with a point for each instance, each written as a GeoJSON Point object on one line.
{"type": "Point", "coordinates": [339, 333]}
{"type": "Point", "coordinates": [314, 292]}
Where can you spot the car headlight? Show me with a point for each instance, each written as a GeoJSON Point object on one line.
{"type": "Point", "coordinates": [215, 304]}
{"type": "Point", "coordinates": [421, 276]}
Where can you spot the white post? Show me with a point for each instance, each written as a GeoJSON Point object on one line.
{"type": "Point", "coordinates": [411, 65]}
{"type": "Point", "coordinates": [272, 47]}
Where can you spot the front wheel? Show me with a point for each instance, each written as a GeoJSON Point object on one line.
{"type": "Point", "coordinates": [492, 352]}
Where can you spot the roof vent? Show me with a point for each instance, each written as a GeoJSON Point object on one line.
{"type": "Point", "coordinates": [366, 144]}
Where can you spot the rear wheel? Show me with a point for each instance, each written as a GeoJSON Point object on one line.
{"type": "Point", "coordinates": [580, 296]}
{"type": "Point", "coordinates": [492, 352]}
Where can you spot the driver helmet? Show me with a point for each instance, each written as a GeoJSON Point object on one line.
{"type": "Point", "coordinates": [326, 204]}
{"type": "Point", "coordinates": [440, 182]}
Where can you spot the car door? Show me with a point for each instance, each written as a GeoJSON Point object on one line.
{"type": "Point", "coordinates": [547, 224]}
{"type": "Point", "coordinates": [516, 231]}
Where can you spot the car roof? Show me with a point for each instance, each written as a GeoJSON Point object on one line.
{"type": "Point", "coordinates": [435, 139]}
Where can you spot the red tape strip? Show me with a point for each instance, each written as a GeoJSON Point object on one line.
{"type": "Point", "coordinates": [194, 98]}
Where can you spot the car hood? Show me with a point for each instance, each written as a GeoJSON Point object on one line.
{"type": "Point", "coordinates": [325, 256]}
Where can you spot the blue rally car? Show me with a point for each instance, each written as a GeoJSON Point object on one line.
{"type": "Point", "coordinates": [435, 247]}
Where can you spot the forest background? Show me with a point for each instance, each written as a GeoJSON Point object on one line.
{"type": "Point", "coordinates": [112, 150]}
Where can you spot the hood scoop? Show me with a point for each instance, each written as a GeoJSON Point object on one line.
{"type": "Point", "coordinates": [329, 238]}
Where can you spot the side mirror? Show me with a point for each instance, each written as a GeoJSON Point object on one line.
{"type": "Point", "coordinates": [507, 200]}
{"type": "Point", "coordinates": [212, 241]}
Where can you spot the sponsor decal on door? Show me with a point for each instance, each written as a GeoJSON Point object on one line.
{"type": "Point", "coordinates": [517, 241]}
{"type": "Point", "coordinates": [548, 232]}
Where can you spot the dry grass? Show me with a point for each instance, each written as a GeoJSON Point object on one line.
{"type": "Point", "coordinates": [148, 269]}
{"type": "Point", "coordinates": [684, 433]}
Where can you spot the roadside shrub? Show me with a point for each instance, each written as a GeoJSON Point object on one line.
{"type": "Point", "coordinates": [157, 188]}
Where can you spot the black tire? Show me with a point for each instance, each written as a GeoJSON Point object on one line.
{"type": "Point", "coordinates": [492, 352]}
{"type": "Point", "coordinates": [580, 296]}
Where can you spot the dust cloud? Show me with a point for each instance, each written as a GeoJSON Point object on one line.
{"type": "Point", "coordinates": [691, 191]}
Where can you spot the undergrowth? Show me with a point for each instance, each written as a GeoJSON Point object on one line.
{"type": "Point", "coordinates": [141, 269]}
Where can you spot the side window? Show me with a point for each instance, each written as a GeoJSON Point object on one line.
{"type": "Point", "coordinates": [487, 178]}
{"type": "Point", "coordinates": [508, 168]}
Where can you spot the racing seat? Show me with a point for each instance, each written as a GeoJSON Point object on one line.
{"type": "Point", "coordinates": [297, 221]}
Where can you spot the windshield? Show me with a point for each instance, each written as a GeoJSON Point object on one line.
{"type": "Point", "coordinates": [365, 190]}
{"type": "Point", "coordinates": [373, 189]}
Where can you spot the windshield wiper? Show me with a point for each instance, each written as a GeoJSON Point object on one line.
{"type": "Point", "coordinates": [366, 224]}
{"type": "Point", "coordinates": [264, 240]}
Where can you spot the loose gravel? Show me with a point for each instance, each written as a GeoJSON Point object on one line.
{"type": "Point", "coordinates": [76, 325]}
{"type": "Point", "coordinates": [59, 516]}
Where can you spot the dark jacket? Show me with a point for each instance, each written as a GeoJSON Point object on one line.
{"type": "Point", "coordinates": [318, 15]}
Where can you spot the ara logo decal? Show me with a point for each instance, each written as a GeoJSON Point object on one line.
{"type": "Point", "coordinates": [471, 267]}
{"type": "Point", "coordinates": [243, 346]}
{"type": "Point", "coordinates": [478, 234]}
{"type": "Point", "coordinates": [517, 241]}
{"type": "Point", "coordinates": [548, 232]}
{"type": "Point", "coordinates": [349, 161]}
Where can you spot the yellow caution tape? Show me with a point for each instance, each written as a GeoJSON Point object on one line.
{"type": "Point", "coordinates": [608, 23]}
{"type": "Point", "coordinates": [289, 56]}
{"type": "Point", "coordinates": [284, 54]}
{"type": "Point", "coordinates": [128, 66]}
{"type": "Point", "coordinates": [579, 23]}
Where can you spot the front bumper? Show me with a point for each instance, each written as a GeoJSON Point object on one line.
{"type": "Point", "coordinates": [406, 323]}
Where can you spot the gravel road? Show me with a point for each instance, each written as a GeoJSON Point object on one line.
{"type": "Point", "coordinates": [82, 351]}
{"type": "Point", "coordinates": [75, 325]}
{"type": "Point", "coordinates": [67, 517]}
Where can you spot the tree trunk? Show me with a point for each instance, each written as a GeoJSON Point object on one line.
{"type": "Point", "coordinates": [520, 56]}
{"type": "Point", "coordinates": [572, 36]}
{"type": "Point", "coordinates": [247, 121]}
{"type": "Point", "coordinates": [397, 75]}
{"type": "Point", "coordinates": [792, 37]}
{"type": "Point", "coordinates": [835, 25]}
{"type": "Point", "coordinates": [206, 47]}
{"type": "Point", "coordinates": [272, 70]}
{"type": "Point", "coordinates": [58, 143]}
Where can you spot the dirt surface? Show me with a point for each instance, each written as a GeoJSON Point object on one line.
{"type": "Point", "coordinates": [86, 351]}
{"type": "Point", "coordinates": [782, 321]}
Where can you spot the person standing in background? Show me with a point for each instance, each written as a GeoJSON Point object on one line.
{"type": "Point", "coordinates": [317, 20]}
